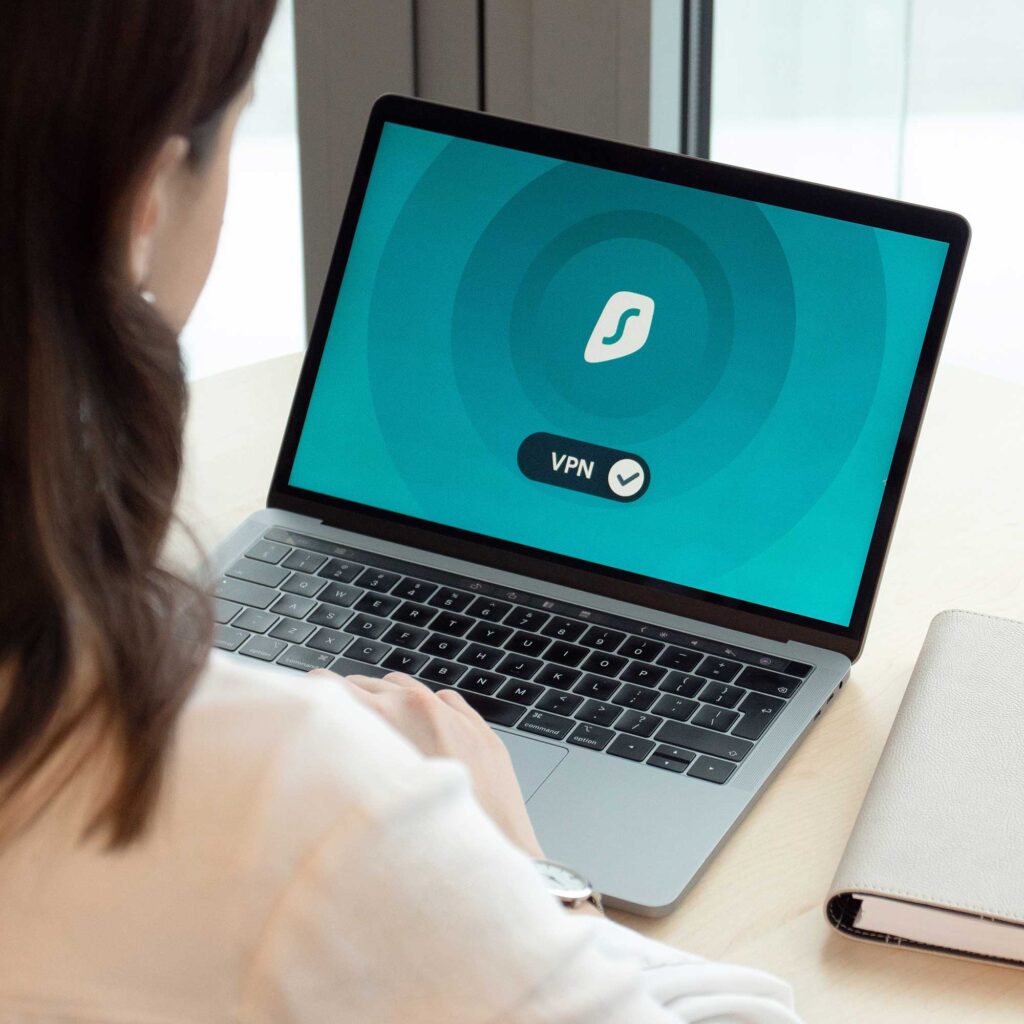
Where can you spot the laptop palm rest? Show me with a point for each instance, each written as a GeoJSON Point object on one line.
{"type": "Point", "coordinates": [533, 760]}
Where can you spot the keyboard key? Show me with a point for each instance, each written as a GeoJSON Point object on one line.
{"type": "Point", "coordinates": [293, 605]}
{"type": "Point", "coordinates": [347, 667]}
{"type": "Point", "coordinates": [606, 664]}
{"type": "Point", "coordinates": [378, 579]}
{"type": "Point", "coordinates": [410, 589]}
{"type": "Point", "coordinates": [630, 747]}
{"type": "Point", "coordinates": [557, 676]}
{"type": "Point", "coordinates": [596, 687]}
{"type": "Point", "coordinates": [565, 653]}
{"type": "Point", "coordinates": [442, 646]}
{"type": "Point", "coordinates": [519, 666]}
{"type": "Point", "coordinates": [520, 693]}
{"type": "Point", "coordinates": [679, 754]}
{"type": "Point", "coordinates": [711, 769]}
{"type": "Point", "coordinates": [453, 625]}
{"type": "Point", "coordinates": [603, 639]}
{"type": "Point", "coordinates": [679, 659]}
{"type": "Point", "coordinates": [722, 694]}
{"type": "Point", "coordinates": [255, 621]}
{"type": "Point", "coordinates": [667, 763]}
{"type": "Point", "coordinates": [682, 685]}
{"type": "Point", "coordinates": [772, 683]}
{"type": "Point", "coordinates": [641, 648]}
{"type": "Point", "coordinates": [489, 608]}
{"type": "Point", "coordinates": [329, 615]}
{"type": "Point", "coordinates": [559, 703]}
{"type": "Point", "coordinates": [304, 659]}
{"type": "Point", "coordinates": [303, 583]}
{"type": "Point", "coordinates": [643, 674]}
{"type": "Point", "coordinates": [451, 600]}
{"type": "Point", "coordinates": [263, 647]}
{"type": "Point", "coordinates": [369, 651]}
{"type": "Point", "coordinates": [241, 592]}
{"type": "Point", "coordinates": [404, 661]}
{"type": "Point", "coordinates": [564, 629]}
{"type": "Point", "coordinates": [719, 668]}
{"type": "Point", "coordinates": [227, 638]}
{"type": "Point", "coordinates": [528, 643]}
{"type": "Point", "coordinates": [526, 618]}
{"type": "Point", "coordinates": [442, 671]}
{"type": "Point", "coordinates": [252, 571]}
{"type": "Point", "coordinates": [705, 741]}
{"type": "Point", "coordinates": [341, 594]}
{"type": "Point", "coordinates": [405, 636]}
{"type": "Point", "coordinates": [341, 571]}
{"type": "Point", "coordinates": [268, 551]}
{"type": "Point", "coordinates": [679, 708]}
{"type": "Point", "coordinates": [761, 704]}
{"type": "Point", "coordinates": [719, 719]}
{"type": "Point", "coordinates": [545, 724]}
{"type": "Point", "coordinates": [489, 633]}
{"type": "Point", "coordinates": [481, 682]}
{"type": "Point", "coordinates": [330, 640]}
{"type": "Point", "coordinates": [377, 604]}
{"type": "Point", "coordinates": [591, 736]}
{"type": "Point", "coordinates": [598, 713]}
{"type": "Point", "coordinates": [759, 711]}
{"type": "Point", "coordinates": [303, 561]}
{"type": "Point", "coordinates": [292, 630]}
{"type": "Point", "coordinates": [224, 611]}
{"type": "Point", "coordinates": [497, 712]}
{"type": "Point", "coordinates": [414, 614]}
{"type": "Point", "coordinates": [367, 626]}
{"type": "Point", "coordinates": [480, 657]}
{"type": "Point", "coordinates": [637, 697]}
{"type": "Point", "coordinates": [636, 723]}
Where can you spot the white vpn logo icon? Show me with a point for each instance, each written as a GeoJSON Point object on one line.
{"type": "Point", "coordinates": [621, 329]}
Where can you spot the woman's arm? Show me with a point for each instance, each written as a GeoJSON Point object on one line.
{"type": "Point", "coordinates": [418, 909]}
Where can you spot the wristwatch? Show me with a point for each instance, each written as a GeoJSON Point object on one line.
{"type": "Point", "coordinates": [567, 886]}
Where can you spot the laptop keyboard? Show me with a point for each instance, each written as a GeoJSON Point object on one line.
{"type": "Point", "coordinates": [672, 700]}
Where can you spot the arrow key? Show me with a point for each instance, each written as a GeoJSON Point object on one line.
{"type": "Point", "coordinates": [711, 769]}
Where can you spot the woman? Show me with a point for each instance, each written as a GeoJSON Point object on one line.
{"type": "Point", "coordinates": [183, 837]}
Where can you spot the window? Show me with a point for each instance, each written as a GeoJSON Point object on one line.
{"type": "Point", "coordinates": [920, 101]}
{"type": "Point", "coordinates": [252, 306]}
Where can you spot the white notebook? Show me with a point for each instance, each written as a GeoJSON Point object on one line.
{"type": "Point", "coordinates": [935, 860]}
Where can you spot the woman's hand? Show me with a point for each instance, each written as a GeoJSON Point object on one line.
{"type": "Point", "coordinates": [443, 725]}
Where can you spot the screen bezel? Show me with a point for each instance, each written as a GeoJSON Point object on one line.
{"type": "Point", "coordinates": [673, 168]}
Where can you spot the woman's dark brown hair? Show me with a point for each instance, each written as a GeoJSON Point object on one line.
{"type": "Point", "coordinates": [93, 631]}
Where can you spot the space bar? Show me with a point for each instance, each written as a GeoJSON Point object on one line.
{"type": "Point", "coordinates": [497, 712]}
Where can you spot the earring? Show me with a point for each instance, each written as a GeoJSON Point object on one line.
{"type": "Point", "coordinates": [148, 296]}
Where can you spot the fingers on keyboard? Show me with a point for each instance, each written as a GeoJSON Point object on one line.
{"type": "Point", "coordinates": [686, 705]}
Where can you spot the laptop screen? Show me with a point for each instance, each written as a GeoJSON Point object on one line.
{"type": "Point", "coordinates": [648, 377]}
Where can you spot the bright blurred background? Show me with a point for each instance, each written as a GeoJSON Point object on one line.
{"type": "Point", "coordinates": [923, 101]}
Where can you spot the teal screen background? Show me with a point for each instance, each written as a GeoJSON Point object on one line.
{"type": "Point", "coordinates": [767, 400]}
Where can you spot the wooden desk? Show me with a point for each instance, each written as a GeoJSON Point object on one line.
{"type": "Point", "coordinates": [959, 543]}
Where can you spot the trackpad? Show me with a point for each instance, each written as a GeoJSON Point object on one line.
{"type": "Point", "coordinates": [533, 760]}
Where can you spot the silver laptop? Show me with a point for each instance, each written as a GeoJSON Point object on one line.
{"type": "Point", "coordinates": [612, 442]}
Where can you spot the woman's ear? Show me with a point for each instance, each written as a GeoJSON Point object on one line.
{"type": "Point", "coordinates": [152, 205]}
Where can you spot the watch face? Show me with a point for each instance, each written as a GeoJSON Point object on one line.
{"type": "Point", "coordinates": [563, 882]}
